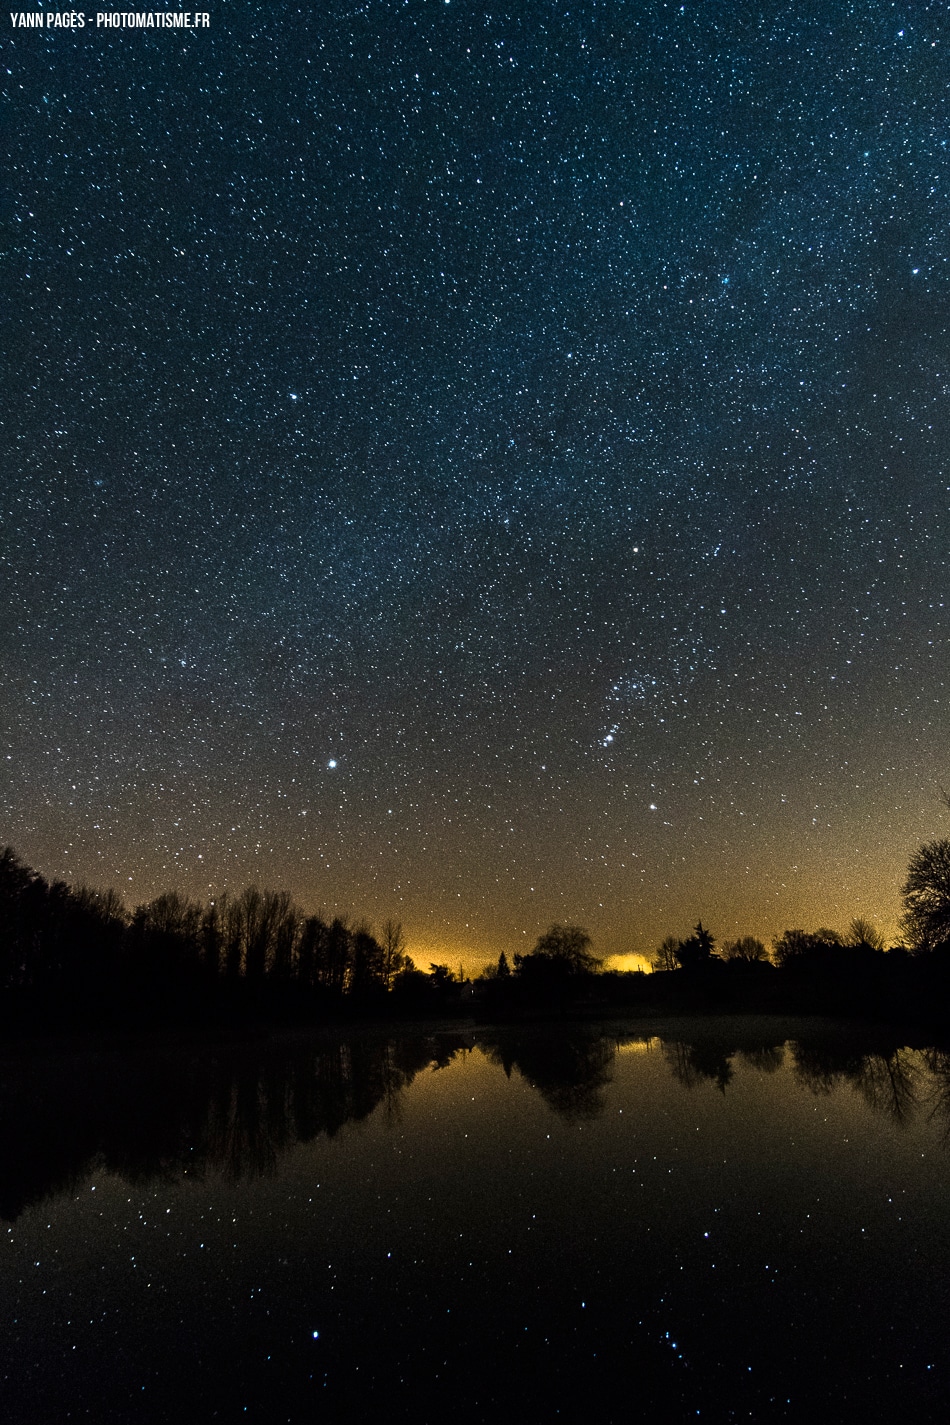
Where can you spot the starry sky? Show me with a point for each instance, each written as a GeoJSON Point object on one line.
{"type": "Point", "coordinates": [483, 465]}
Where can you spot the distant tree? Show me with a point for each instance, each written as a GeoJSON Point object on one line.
{"type": "Point", "coordinates": [324, 956]}
{"type": "Point", "coordinates": [230, 917]}
{"type": "Point", "coordinates": [15, 879]}
{"type": "Point", "coordinates": [799, 946]}
{"type": "Point", "coordinates": [368, 972]}
{"type": "Point", "coordinates": [790, 945]}
{"type": "Point", "coordinates": [864, 934]}
{"type": "Point", "coordinates": [166, 942]}
{"type": "Point", "coordinates": [559, 965]}
{"type": "Point", "coordinates": [745, 948]}
{"type": "Point", "coordinates": [311, 951]}
{"type": "Point", "coordinates": [107, 907]}
{"type": "Point", "coordinates": [569, 947]}
{"type": "Point", "coordinates": [23, 903]}
{"type": "Point", "coordinates": [254, 932]}
{"type": "Point", "coordinates": [171, 917]}
{"type": "Point", "coordinates": [666, 957]}
{"type": "Point", "coordinates": [270, 919]}
{"type": "Point", "coordinates": [697, 949]}
{"type": "Point", "coordinates": [163, 961]}
{"type": "Point", "coordinates": [411, 986]}
{"type": "Point", "coordinates": [92, 935]}
{"type": "Point", "coordinates": [338, 957]}
{"type": "Point", "coordinates": [212, 941]}
{"type": "Point", "coordinates": [440, 976]}
{"type": "Point", "coordinates": [498, 969]}
{"type": "Point", "coordinates": [285, 933]}
{"type": "Point", "coordinates": [926, 895]}
{"type": "Point", "coordinates": [395, 959]}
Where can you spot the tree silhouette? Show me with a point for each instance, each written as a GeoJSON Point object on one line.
{"type": "Point", "coordinates": [795, 947]}
{"type": "Point", "coordinates": [745, 948]}
{"type": "Point", "coordinates": [395, 958]}
{"type": "Point", "coordinates": [368, 971]}
{"type": "Point", "coordinates": [212, 942]}
{"type": "Point", "coordinates": [285, 935]}
{"type": "Point", "coordinates": [311, 950]}
{"type": "Point", "coordinates": [558, 966]}
{"type": "Point", "coordinates": [926, 896]}
{"type": "Point", "coordinates": [697, 950]}
{"type": "Point", "coordinates": [569, 947]}
{"type": "Point", "coordinates": [865, 934]}
{"type": "Point", "coordinates": [666, 957]}
{"type": "Point", "coordinates": [165, 947]}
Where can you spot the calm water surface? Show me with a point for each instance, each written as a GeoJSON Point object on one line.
{"type": "Point", "coordinates": [741, 1221]}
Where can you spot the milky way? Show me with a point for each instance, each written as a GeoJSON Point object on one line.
{"type": "Point", "coordinates": [484, 466]}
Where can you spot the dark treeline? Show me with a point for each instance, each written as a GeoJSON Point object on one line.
{"type": "Point", "coordinates": [820, 972]}
{"type": "Point", "coordinates": [73, 957]}
{"type": "Point", "coordinates": [70, 955]}
{"type": "Point", "coordinates": [185, 1109]}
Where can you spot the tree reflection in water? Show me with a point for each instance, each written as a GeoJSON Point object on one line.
{"type": "Point", "coordinates": [569, 1069]}
{"type": "Point", "coordinates": [235, 1108]}
{"type": "Point", "coordinates": [766, 1058]}
{"type": "Point", "coordinates": [937, 1093]}
{"type": "Point", "coordinates": [891, 1079]}
{"type": "Point", "coordinates": [690, 1064]}
{"type": "Point", "coordinates": [186, 1109]}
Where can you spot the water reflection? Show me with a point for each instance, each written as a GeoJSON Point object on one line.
{"type": "Point", "coordinates": [570, 1070]}
{"type": "Point", "coordinates": [767, 1058]}
{"type": "Point", "coordinates": [938, 1075]}
{"type": "Point", "coordinates": [690, 1064]}
{"type": "Point", "coordinates": [892, 1081]}
{"type": "Point", "coordinates": [186, 1109]}
{"type": "Point", "coordinates": [236, 1109]}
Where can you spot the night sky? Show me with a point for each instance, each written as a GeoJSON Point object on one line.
{"type": "Point", "coordinates": [482, 465]}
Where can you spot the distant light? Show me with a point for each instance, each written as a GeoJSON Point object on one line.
{"type": "Point", "coordinates": [653, 806]}
{"type": "Point", "coordinates": [332, 763]}
{"type": "Point", "coordinates": [316, 1334]}
{"type": "Point", "coordinates": [294, 396]}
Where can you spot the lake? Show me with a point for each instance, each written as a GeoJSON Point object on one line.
{"type": "Point", "coordinates": [723, 1220]}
